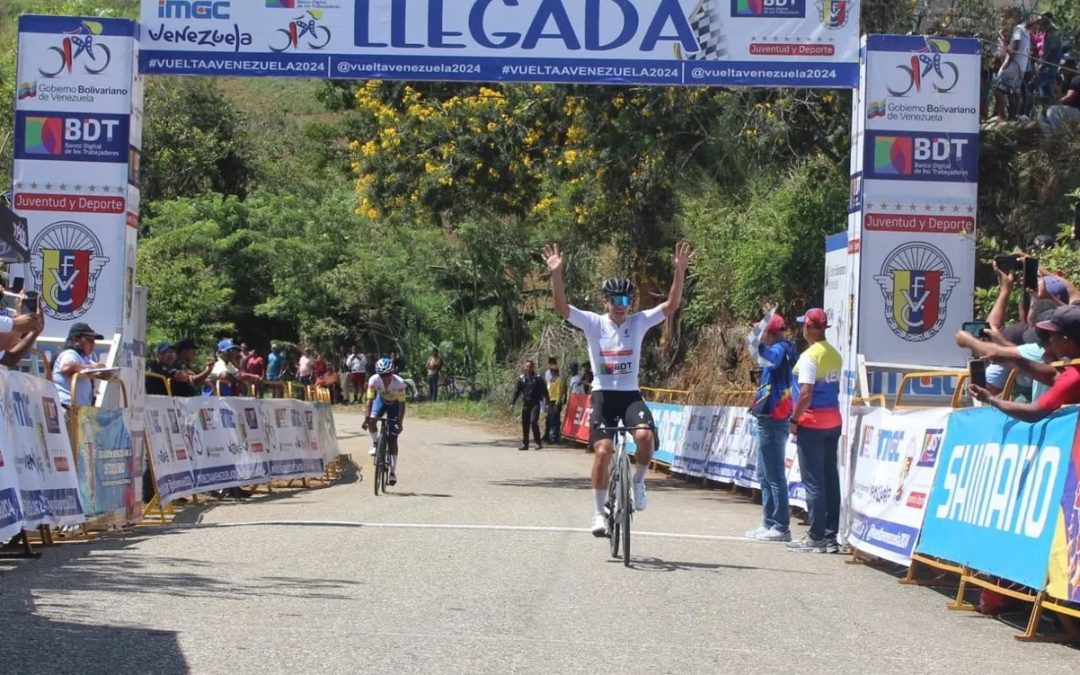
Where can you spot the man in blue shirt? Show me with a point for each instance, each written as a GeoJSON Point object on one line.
{"type": "Point", "coordinates": [274, 363]}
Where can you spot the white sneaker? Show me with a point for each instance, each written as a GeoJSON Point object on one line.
{"type": "Point", "coordinates": [756, 532]}
{"type": "Point", "coordinates": [773, 534]}
{"type": "Point", "coordinates": [641, 500]}
{"type": "Point", "coordinates": [599, 526]}
{"type": "Point", "coordinates": [372, 451]}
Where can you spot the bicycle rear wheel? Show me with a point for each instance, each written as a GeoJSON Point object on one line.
{"type": "Point", "coordinates": [625, 512]}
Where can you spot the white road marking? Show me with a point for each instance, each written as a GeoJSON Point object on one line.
{"type": "Point", "coordinates": [445, 526]}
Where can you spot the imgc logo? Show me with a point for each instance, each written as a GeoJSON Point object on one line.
{"type": "Point", "coordinates": [66, 262]}
{"type": "Point", "coordinates": [193, 9]}
{"type": "Point", "coordinates": [916, 280]}
{"type": "Point", "coordinates": [769, 8]}
{"type": "Point", "coordinates": [78, 46]}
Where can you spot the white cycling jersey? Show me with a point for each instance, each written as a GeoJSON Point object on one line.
{"type": "Point", "coordinates": [389, 393]}
{"type": "Point", "coordinates": [615, 351]}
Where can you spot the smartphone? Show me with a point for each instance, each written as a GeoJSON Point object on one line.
{"type": "Point", "coordinates": [1007, 262]}
{"type": "Point", "coordinates": [977, 372]}
{"type": "Point", "coordinates": [30, 303]}
{"type": "Point", "coordinates": [976, 328]}
{"type": "Point", "coordinates": [17, 284]}
{"type": "Point", "coordinates": [1031, 274]}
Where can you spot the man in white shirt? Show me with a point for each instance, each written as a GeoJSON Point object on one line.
{"type": "Point", "coordinates": [356, 365]}
{"type": "Point", "coordinates": [614, 341]}
{"type": "Point", "coordinates": [1015, 53]}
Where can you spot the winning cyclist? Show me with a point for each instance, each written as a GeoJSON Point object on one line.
{"type": "Point", "coordinates": [386, 393]}
{"type": "Point", "coordinates": [615, 353]}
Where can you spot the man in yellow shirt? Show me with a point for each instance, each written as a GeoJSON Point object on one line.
{"type": "Point", "coordinates": [556, 399]}
{"type": "Point", "coordinates": [816, 425]}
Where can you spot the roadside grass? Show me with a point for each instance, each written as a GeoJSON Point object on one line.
{"type": "Point", "coordinates": [479, 411]}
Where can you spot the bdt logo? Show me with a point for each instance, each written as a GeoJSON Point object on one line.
{"type": "Point", "coordinates": [770, 8]}
{"type": "Point", "coordinates": [916, 280]}
{"type": "Point", "coordinates": [48, 135]}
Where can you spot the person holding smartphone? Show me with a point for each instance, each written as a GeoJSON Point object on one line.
{"type": "Point", "coordinates": [1063, 344]}
{"type": "Point", "coordinates": [22, 337]}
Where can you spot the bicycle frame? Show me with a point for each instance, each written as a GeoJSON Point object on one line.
{"type": "Point", "coordinates": [619, 503]}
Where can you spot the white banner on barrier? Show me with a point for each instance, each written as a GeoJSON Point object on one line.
{"type": "Point", "coordinates": [173, 466]}
{"type": "Point", "coordinates": [38, 438]}
{"type": "Point", "coordinates": [896, 459]}
{"type": "Point", "coordinates": [285, 422]}
{"type": "Point", "coordinates": [252, 462]}
{"type": "Point", "coordinates": [327, 431]}
{"type": "Point", "coordinates": [701, 425]}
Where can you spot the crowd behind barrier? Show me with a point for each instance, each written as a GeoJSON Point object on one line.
{"type": "Point", "coordinates": [84, 466]}
{"type": "Point", "coordinates": [966, 490]}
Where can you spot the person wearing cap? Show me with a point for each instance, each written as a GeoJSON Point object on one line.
{"type": "Point", "coordinates": [186, 381]}
{"type": "Point", "coordinates": [816, 425]}
{"type": "Point", "coordinates": [1026, 357]}
{"type": "Point", "coordinates": [163, 364]}
{"type": "Point", "coordinates": [1063, 344]}
{"type": "Point", "coordinates": [773, 408]}
{"type": "Point", "coordinates": [76, 357]}
{"type": "Point", "coordinates": [226, 374]}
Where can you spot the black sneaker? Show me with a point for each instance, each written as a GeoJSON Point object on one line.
{"type": "Point", "coordinates": [808, 545]}
{"type": "Point", "coordinates": [539, 446]}
{"type": "Point", "coordinates": [524, 447]}
{"type": "Point", "coordinates": [392, 479]}
{"type": "Point", "coordinates": [831, 545]}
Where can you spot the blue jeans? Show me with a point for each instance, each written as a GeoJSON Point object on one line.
{"type": "Point", "coordinates": [817, 460]}
{"type": "Point", "coordinates": [772, 439]}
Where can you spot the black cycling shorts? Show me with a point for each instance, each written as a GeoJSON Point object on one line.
{"type": "Point", "coordinates": [608, 407]}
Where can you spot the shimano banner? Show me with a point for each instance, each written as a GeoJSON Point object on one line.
{"type": "Point", "coordinates": [803, 43]}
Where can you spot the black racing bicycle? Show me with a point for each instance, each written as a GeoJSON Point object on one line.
{"type": "Point", "coordinates": [620, 505]}
{"type": "Point", "coordinates": [382, 453]}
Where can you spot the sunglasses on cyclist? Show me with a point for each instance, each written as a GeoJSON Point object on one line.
{"type": "Point", "coordinates": [620, 300]}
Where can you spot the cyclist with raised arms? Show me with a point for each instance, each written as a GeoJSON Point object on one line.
{"type": "Point", "coordinates": [615, 353]}
{"type": "Point", "coordinates": [386, 393]}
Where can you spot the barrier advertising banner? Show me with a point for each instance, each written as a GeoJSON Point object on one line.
{"type": "Point", "coordinates": [73, 147]}
{"type": "Point", "coordinates": [702, 424]}
{"type": "Point", "coordinates": [730, 447]}
{"type": "Point", "coordinates": [285, 424]}
{"type": "Point", "coordinates": [35, 443]}
{"type": "Point", "coordinates": [327, 431]}
{"type": "Point", "coordinates": [1065, 553]}
{"type": "Point", "coordinates": [110, 473]}
{"type": "Point", "coordinates": [918, 193]}
{"type": "Point", "coordinates": [251, 456]}
{"type": "Point", "coordinates": [174, 470]}
{"type": "Point", "coordinates": [670, 420]}
{"type": "Point", "coordinates": [896, 456]}
{"type": "Point", "coordinates": [995, 500]}
{"type": "Point", "coordinates": [576, 419]}
{"type": "Point", "coordinates": [800, 43]}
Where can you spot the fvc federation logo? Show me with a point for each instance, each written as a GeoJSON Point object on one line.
{"type": "Point", "coordinates": [833, 13]}
{"type": "Point", "coordinates": [66, 260]}
{"type": "Point", "coordinates": [916, 280]}
{"type": "Point", "coordinates": [769, 8]}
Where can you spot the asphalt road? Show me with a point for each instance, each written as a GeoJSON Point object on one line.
{"type": "Point", "coordinates": [478, 561]}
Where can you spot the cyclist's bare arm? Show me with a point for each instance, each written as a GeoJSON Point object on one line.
{"type": "Point", "coordinates": [554, 260]}
{"type": "Point", "coordinates": [683, 255]}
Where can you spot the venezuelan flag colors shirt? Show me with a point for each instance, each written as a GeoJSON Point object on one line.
{"type": "Point", "coordinates": [820, 365]}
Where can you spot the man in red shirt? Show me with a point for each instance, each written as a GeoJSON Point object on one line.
{"type": "Point", "coordinates": [1063, 344]}
{"type": "Point", "coordinates": [256, 365]}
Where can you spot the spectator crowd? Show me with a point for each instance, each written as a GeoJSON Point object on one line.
{"type": "Point", "coordinates": [545, 396]}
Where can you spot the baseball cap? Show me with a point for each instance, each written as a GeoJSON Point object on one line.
{"type": "Point", "coordinates": [1055, 286]}
{"type": "Point", "coordinates": [1065, 320]}
{"type": "Point", "coordinates": [814, 318]}
{"type": "Point", "coordinates": [163, 347]}
{"type": "Point", "coordinates": [84, 329]}
{"type": "Point", "coordinates": [225, 345]}
{"type": "Point", "coordinates": [775, 324]}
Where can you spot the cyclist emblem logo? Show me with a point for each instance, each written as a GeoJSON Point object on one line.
{"type": "Point", "coordinates": [304, 27]}
{"type": "Point", "coordinates": [78, 48]}
{"type": "Point", "coordinates": [916, 280]}
{"type": "Point", "coordinates": [833, 13]}
{"type": "Point", "coordinates": [66, 262]}
{"type": "Point", "coordinates": [926, 67]}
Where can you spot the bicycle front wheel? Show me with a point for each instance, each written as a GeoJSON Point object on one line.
{"type": "Point", "coordinates": [613, 512]}
{"type": "Point", "coordinates": [380, 462]}
{"type": "Point", "coordinates": [624, 514]}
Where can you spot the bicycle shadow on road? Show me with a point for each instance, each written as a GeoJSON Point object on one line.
{"type": "Point", "coordinates": [648, 564]}
{"type": "Point", "coordinates": [579, 483]}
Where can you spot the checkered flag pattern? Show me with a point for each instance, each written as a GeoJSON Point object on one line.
{"type": "Point", "coordinates": [709, 27]}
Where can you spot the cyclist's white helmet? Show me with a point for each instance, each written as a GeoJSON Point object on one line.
{"type": "Point", "coordinates": [384, 366]}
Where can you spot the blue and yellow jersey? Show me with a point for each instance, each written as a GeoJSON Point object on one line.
{"type": "Point", "coordinates": [821, 366]}
{"type": "Point", "coordinates": [392, 393]}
